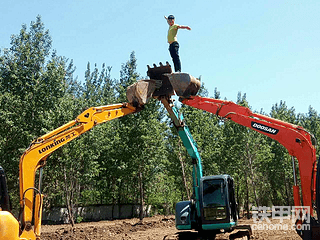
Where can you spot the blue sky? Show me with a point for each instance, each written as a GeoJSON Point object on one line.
{"type": "Point", "coordinates": [266, 49]}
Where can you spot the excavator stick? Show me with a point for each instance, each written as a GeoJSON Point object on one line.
{"type": "Point", "coordinates": [162, 83]}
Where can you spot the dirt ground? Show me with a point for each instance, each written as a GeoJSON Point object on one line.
{"type": "Point", "coordinates": [157, 228]}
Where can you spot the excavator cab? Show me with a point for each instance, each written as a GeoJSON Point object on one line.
{"type": "Point", "coordinates": [218, 207]}
{"type": "Point", "coordinates": [217, 203]}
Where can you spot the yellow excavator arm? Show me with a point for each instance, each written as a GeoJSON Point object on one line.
{"type": "Point", "coordinates": [35, 157]}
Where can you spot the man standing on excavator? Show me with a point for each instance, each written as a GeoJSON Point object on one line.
{"type": "Point", "coordinates": [172, 40]}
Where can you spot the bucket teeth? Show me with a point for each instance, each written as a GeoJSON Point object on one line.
{"type": "Point", "coordinates": [158, 73]}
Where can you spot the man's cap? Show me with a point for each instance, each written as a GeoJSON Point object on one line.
{"type": "Point", "coordinates": [170, 17]}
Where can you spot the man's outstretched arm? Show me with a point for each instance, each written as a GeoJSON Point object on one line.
{"type": "Point", "coordinates": [184, 27]}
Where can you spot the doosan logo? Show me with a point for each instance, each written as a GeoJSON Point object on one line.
{"type": "Point", "coordinates": [264, 128]}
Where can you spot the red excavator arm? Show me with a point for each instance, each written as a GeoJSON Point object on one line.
{"type": "Point", "coordinates": [295, 139]}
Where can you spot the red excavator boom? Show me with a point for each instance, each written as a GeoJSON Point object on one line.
{"type": "Point", "coordinates": [295, 139]}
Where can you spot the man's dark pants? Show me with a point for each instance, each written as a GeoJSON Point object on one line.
{"type": "Point", "coordinates": [174, 52]}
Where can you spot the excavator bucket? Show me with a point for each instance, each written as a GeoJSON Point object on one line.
{"type": "Point", "coordinates": [159, 73]}
{"type": "Point", "coordinates": [162, 82]}
{"type": "Point", "coordinates": [140, 92]}
{"type": "Point", "coordinates": [184, 84]}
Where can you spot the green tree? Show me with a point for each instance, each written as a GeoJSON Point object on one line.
{"type": "Point", "coordinates": [32, 80]}
{"type": "Point", "coordinates": [142, 142]}
{"type": "Point", "coordinates": [279, 170]}
{"type": "Point", "coordinates": [80, 161]}
{"type": "Point", "coordinates": [311, 122]}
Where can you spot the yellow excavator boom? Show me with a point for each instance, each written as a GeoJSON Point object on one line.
{"type": "Point", "coordinates": [31, 199]}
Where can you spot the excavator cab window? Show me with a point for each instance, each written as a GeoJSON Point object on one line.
{"type": "Point", "coordinates": [214, 200]}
